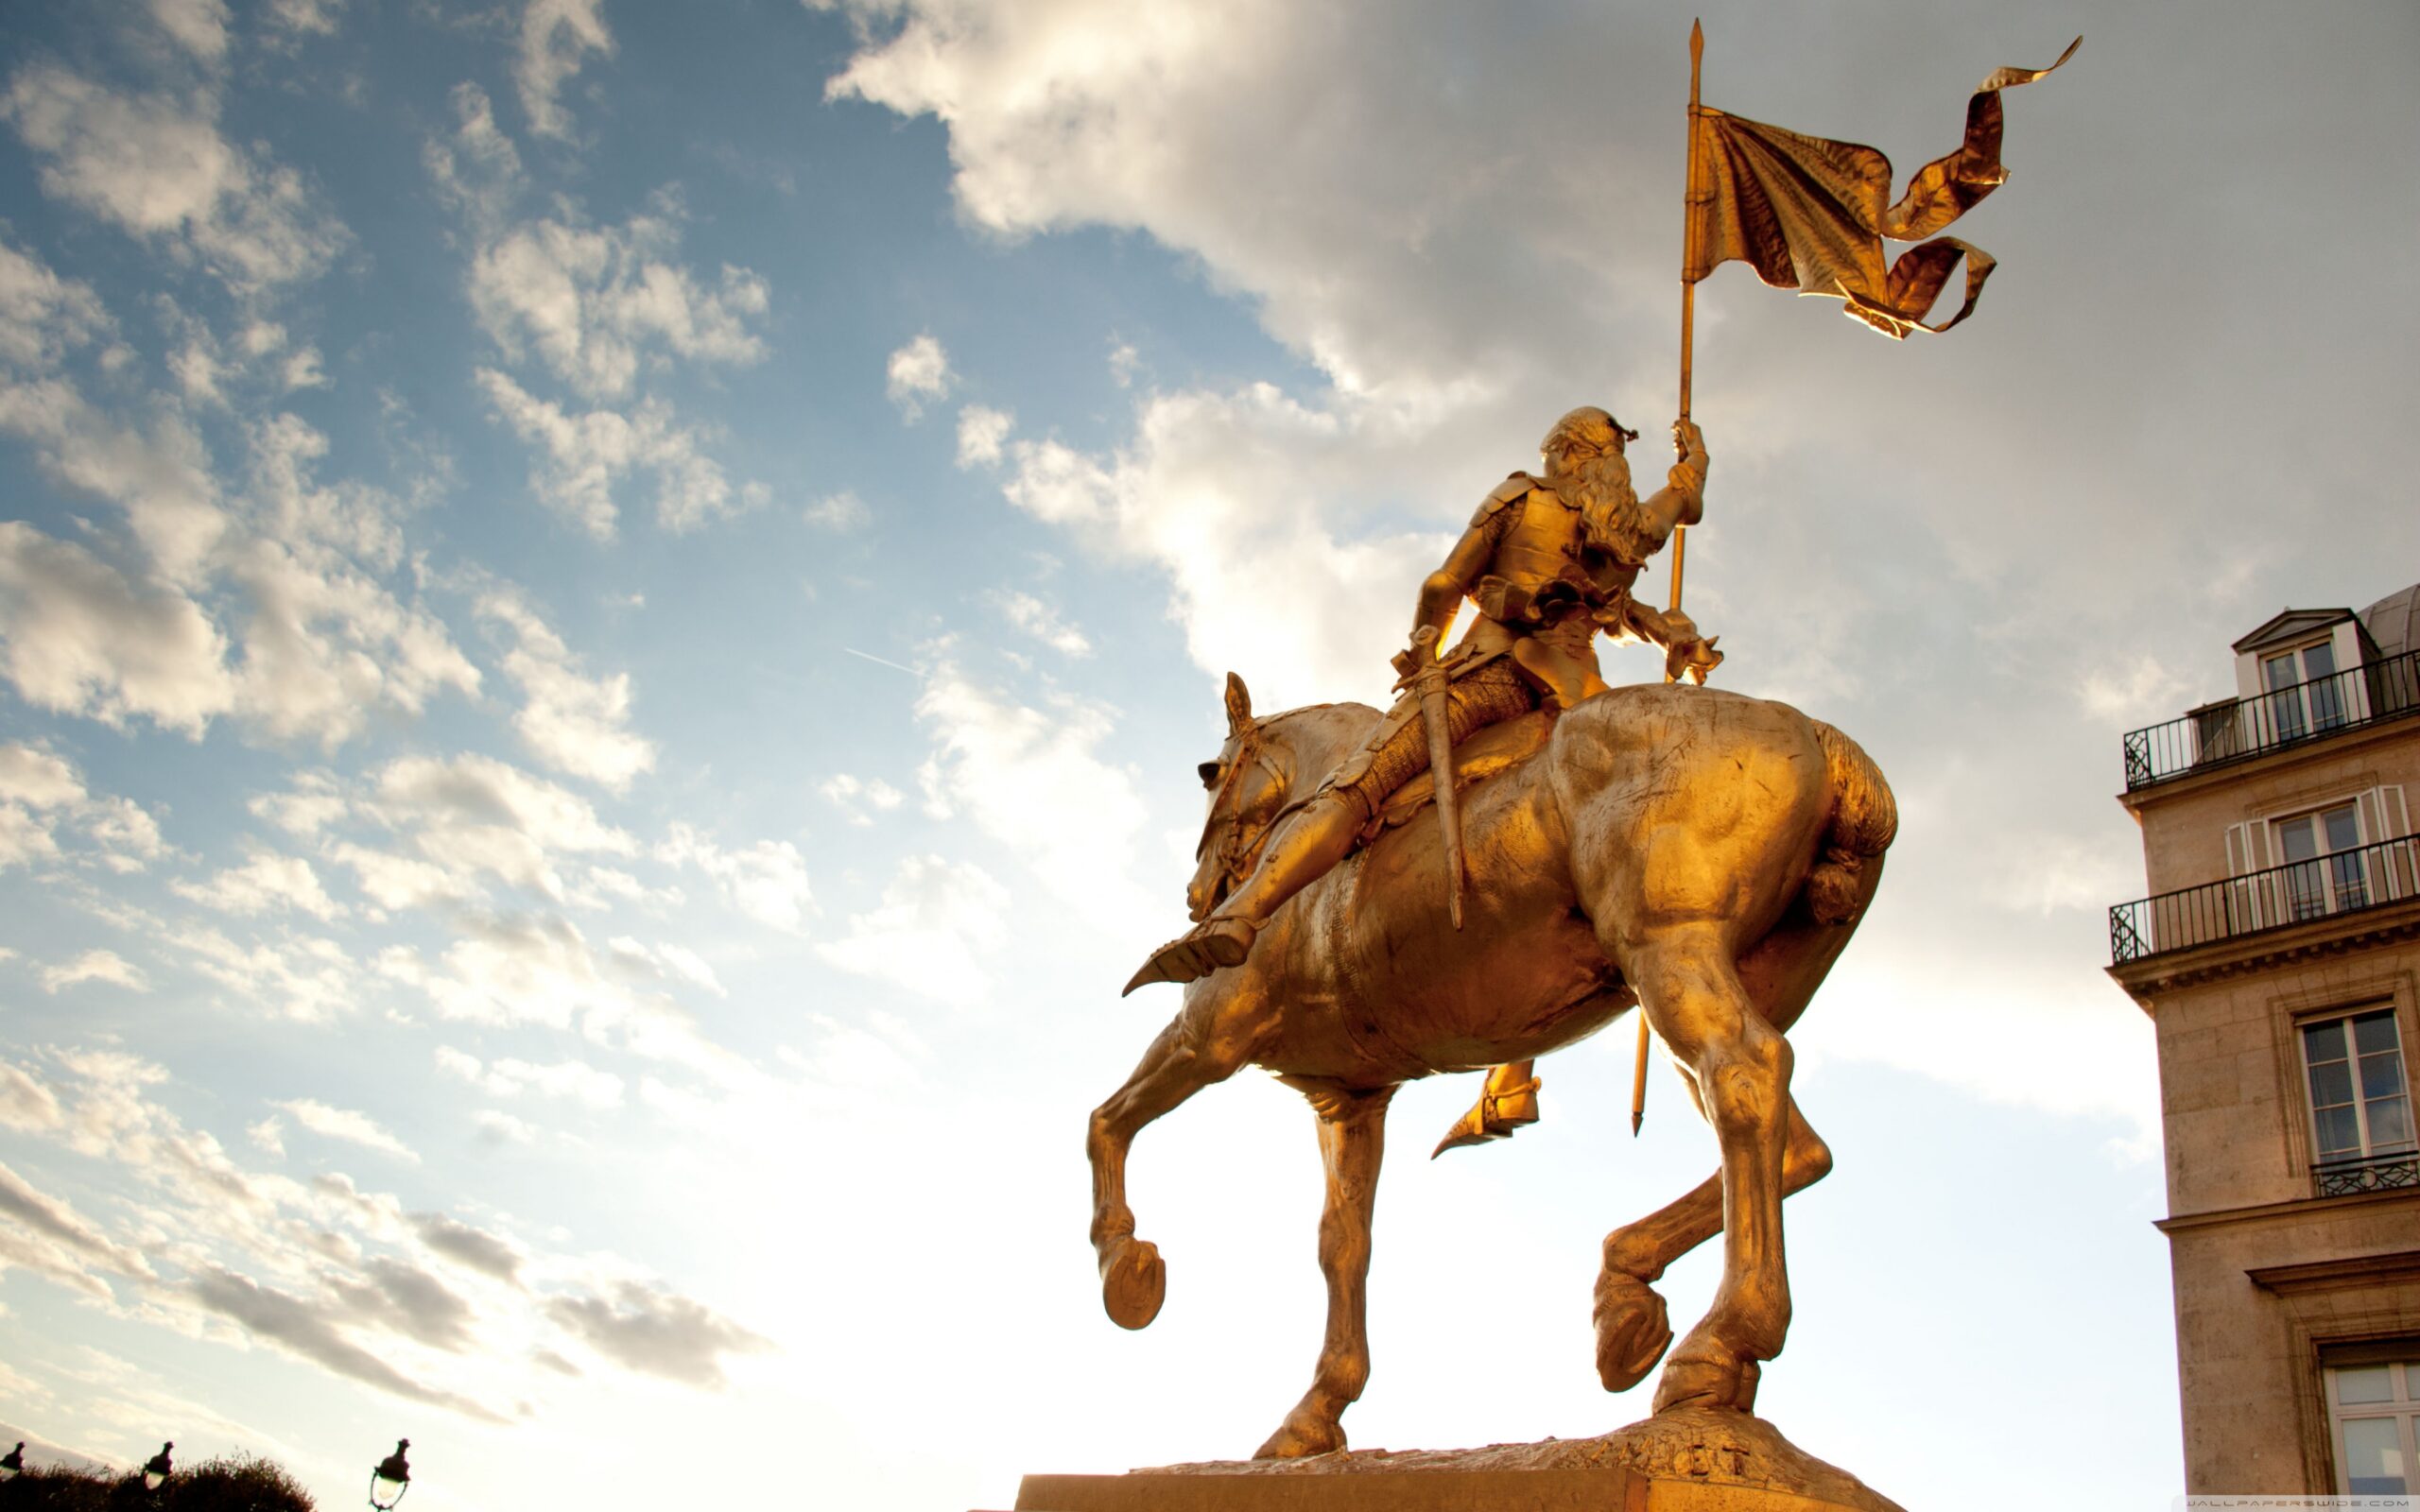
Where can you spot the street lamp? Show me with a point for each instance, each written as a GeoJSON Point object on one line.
{"type": "Point", "coordinates": [157, 1469]}
{"type": "Point", "coordinates": [392, 1477]}
{"type": "Point", "coordinates": [12, 1464]}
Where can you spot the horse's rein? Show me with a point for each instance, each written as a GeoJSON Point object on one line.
{"type": "Point", "coordinates": [1253, 752]}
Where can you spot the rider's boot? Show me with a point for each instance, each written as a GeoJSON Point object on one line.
{"type": "Point", "coordinates": [1509, 1101]}
{"type": "Point", "coordinates": [1319, 835]}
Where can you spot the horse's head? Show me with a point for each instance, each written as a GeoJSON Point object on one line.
{"type": "Point", "coordinates": [1248, 785]}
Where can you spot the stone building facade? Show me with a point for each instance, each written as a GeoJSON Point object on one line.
{"type": "Point", "coordinates": [2278, 956]}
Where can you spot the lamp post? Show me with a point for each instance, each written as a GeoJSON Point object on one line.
{"type": "Point", "coordinates": [13, 1463]}
{"type": "Point", "coordinates": [392, 1477]}
{"type": "Point", "coordinates": [157, 1469]}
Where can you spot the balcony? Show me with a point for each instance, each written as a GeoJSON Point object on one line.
{"type": "Point", "coordinates": [2237, 730]}
{"type": "Point", "coordinates": [2351, 1174]}
{"type": "Point", "coordinates": [2345, 882]}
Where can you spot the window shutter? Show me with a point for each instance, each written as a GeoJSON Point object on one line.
{"type": "Point", "coordinates": [2243, 901]}
{"type": "Point", "coordinates": [2399, 866]}
{"type": "Point", "coordinates": [2366, 806]}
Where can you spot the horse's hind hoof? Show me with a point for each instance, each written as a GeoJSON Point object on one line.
{"type": "Point", "coordinates": [1302, 1436]}
{"type": "Point", "coordinates": [1632, 1331]}
{"type": "Point", "coordinates": [1700, 1382]}
{"type": "Point", "coordinates": [1133, 1284]}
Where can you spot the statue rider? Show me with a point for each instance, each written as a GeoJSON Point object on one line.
{"type": "Point", "coordinates": [1550, 561]}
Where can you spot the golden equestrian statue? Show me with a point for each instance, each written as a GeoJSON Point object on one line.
{"type": "Point", "coordinates": [1688, 850]}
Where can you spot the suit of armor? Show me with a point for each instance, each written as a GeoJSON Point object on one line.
{"type": "Point", "coordinates": [1545, 583]}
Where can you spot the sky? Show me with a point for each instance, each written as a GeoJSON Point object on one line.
{"type": "Point", "coordinates": [607, 612]}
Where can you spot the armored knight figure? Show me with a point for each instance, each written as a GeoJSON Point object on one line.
{"type": "Point", "coordinates": [1549, 562]}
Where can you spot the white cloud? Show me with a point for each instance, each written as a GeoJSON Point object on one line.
{"type": "Point", "coordinates": [666, 960]}
{"type": "Point", "coordinates": [350, 1126]}
{"type": "Point", "coordinates": [569, 1080]}
{"type": "Point", "coordinates": [585, 455]}
{"type": "Point", "coordinates": [538, 968]}
{"type": "Point", "coordinates": [982, 431]}
{"type": "Point", "coordinates": [266, 882]}
{"type": "Point", "coordinates": [159, 477]}
{"type": "Point", "coordinates": [918, 371]}
{"type": "Point", "coordinates": [157, 167]}
{"type": "Point", "coordinates": [478, 171]}
{"type": "Point", "coordinates": [936, 921]}
{"type": "Point", "coordinates": [310, 806]}
{"type": "Point", "coordinates": [325, 645]}
{"type": "Point", "coordinates": [571, 722]}
{"type": "Point", "coordinates": [306, 18]}
{"type": "Point", "coordinates": [595, 303]}
{"type": "Point", "coordinates": [1032, 781]}
{"type": "Point", "coordinates": [469, 817]}
{"type": "Point", "coordinates": [1212, 490]}
{"type": "Point", "coordinates": [268, 1136]}
{"type": "Point", "coordinates": [839, 512]}
{"type": "Point", "coordinates": [199, 25]}
{"type": "Point", "coordinates": [496, 1127]}
{"type": "Point", "coordinates": [766, 881]}
{"type": "Point", "coordinates": [556, 37]}
{"type": "Point", "coordinates": [860, 799]}
{"type": "Point", "coordinates": [26, 1104]}
{"type": "Point", "coordinates": [42, 316]}
{"type": "Point", "coordinates": [309, 980]}
{"type": "Point", "coordinates": [1040, 621]}
{"type": "Point", "coordinates": [38, 779]}
{"type": "Point", "coordinates": [96, 966]}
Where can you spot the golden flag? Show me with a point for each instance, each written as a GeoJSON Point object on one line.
{"type": "Point", "coordinates": [1809, 214]}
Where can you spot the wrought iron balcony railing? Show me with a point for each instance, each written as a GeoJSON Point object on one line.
{"type": "Point", "coordinates": [2297, 892]}
{"type": "Point", "coordinates": [2241, 729]}
{"type": "Point", "coordinates": [2366, 1173]}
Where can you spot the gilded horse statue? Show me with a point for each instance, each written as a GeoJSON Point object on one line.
{"type": "Point", "coordinates": [1693, 852]}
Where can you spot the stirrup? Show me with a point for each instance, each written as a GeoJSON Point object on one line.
{"type": "Point", "coordinates": [1214, 943]}
{"type": "Point", "coordinates": [1485, 1120]}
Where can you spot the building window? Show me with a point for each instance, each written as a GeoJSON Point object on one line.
{"type": "Point", "coordinates": [2301, 692]}
{"type": "Point", "coordinates": [2373, 1407]}
{"type": "Point", "coordinates": [2323, 872]}
{"type": "Point", "coordinates": [2360, 1104]}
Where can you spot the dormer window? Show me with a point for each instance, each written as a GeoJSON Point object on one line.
{"type": "Point", "coordinates": [2302, 694]}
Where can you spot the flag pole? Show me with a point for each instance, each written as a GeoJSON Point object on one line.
{"type": "Point", "coordinates": [1680, 533]}
{"type": "Point", "coordinates": [1688, 279]}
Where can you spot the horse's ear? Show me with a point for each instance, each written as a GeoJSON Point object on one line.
{"type": "Point", "coordinates": [1238, 705]}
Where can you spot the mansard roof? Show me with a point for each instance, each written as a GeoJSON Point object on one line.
{"type": "Point", "coordinates": [2394, 621]}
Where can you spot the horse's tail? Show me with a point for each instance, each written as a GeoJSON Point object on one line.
{"type": "Point", "coordinates": [1865, 820]}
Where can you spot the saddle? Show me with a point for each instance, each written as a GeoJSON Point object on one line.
{"type": "Point", "coordinates": [1481, 756]}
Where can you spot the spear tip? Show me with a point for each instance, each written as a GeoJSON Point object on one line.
{"type": "Point", "coordinates": [1696, 40]}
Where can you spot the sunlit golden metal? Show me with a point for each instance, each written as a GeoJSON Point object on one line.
{"type": "Point", "coordinates": [1689, 851]}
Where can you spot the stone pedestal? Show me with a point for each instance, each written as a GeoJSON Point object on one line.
{"type": "Point", "coordinates": [1692, 1460]}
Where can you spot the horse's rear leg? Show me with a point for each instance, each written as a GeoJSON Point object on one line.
{"type": "Point", "coordinates": [1190, 1054]}
{"type": "Point", "coordinates": [1353, 1134]}
{"type": "Point", "coordinates": [1690, 990]}
{"type": "Point", "coordinates": [1632, 1328]}
{"type": "Point", "coordinates": [1781, 974]}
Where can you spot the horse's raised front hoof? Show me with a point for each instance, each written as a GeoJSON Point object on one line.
{"type": "Point", "coordinates": [1303, 1433]}
{"type": "Point", "coordinates": [1632, 1330]}
{"type": "Point", "coordinates": [1133, 1284]}
{"type": "Point", "coordinates": [1705, 1374]}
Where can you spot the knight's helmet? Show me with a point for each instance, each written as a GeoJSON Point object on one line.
{"type": "Point", "coordinates": [1589, 424]}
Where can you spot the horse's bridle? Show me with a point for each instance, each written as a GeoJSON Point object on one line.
{"type": "Point", "coordinates": [1238, 851]}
